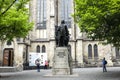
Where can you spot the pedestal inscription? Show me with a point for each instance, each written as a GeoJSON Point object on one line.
{"type": "Point", "coordinates": [61, 54]}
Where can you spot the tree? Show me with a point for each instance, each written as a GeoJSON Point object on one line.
{"type": "Point", "coordinates": [14, 19]}
{"type": "Point", "coordinates": [100, 19]}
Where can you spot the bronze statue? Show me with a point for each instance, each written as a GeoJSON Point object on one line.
{"type": "Point", "coordinates": [62, 35]}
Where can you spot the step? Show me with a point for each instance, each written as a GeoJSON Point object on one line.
{"type": "Point", "coordinates": [8, 69]}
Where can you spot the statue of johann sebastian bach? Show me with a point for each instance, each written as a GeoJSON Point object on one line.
{"type": "Point", "coordinates": [62, 61]}
{"type": "Point", "coordinates": [62, 35]}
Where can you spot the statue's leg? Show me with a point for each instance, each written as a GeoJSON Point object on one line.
{"type": "Point", "coordinates": [62, 39]}
{"type": "Point", "coordinates": [66, 41]}
{"type": "Point", "coordinates": [60, 42]}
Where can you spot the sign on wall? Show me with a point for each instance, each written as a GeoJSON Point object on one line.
{"type": "Point", "coordinates": [33, 56]}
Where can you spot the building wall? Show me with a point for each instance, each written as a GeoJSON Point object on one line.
{"type": "Point", "coordinates": [103, 51]}
{"type": "Point", "coordinates": [78, 40]}
{"type": "Point", "coordinates": [79, 52]}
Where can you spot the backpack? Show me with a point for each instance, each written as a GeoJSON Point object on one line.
{"type": "Point", "coordinates": [37, 62]}
{"type": "Point", "coordinates": [105, 62]}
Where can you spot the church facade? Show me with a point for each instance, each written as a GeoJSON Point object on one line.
{"type": "Point", "coordinates": [46, 14]}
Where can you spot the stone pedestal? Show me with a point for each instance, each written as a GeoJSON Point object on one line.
{"type": "Point", "coordinates": [62, 62]}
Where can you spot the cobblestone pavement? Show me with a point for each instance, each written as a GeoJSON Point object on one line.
{"type": "Point", "coordinates": [78, 74]}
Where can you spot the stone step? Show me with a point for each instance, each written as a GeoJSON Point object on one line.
{"type": "Point", "coordinates": [8, 69]}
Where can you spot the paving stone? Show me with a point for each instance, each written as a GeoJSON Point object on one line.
{"type": "Point", "coordinates": [78, 74]}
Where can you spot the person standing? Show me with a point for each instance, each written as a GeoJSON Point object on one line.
{"type": "Point", "coordinates": [46, 64]}
{"type": "Point", "coordinates": [37, 62]}
{"type": "Point", "coordinates": [104, 62]}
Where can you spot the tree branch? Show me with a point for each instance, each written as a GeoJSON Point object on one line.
{"type": "Point", "coordinates": [8, 7]}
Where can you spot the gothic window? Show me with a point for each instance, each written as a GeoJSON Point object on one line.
{"type": "Point", "coordinates": [95, 51]}
{"type": "Point", "coordinates": [38, 49]}
{"type": "Point", "coordinates": [41, 14]}
{"type": "Point", "coordinates": [117, 53]}
{"type": "Point", "coordinates": [9, 43]}
{"type": "Point", "coordinates": [66, 10]}
{"type": "Point", "coordinates": [90, 51]}
{"type": "Point", "coordinates": [43, 49]}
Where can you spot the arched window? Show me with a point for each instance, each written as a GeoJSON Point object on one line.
{"type": "Point", "coordinates": [38, 49]}
{"type": "Point", "coordinates": [43, 49]}
{"type": "Point", "coordinates": [95, 51]}
{"type": "Point", "coordinates": [90, 51]}
{"type": "Point", "coordinates": [9, 43]}
{"type": "Point", "coordinates": [117, 53]}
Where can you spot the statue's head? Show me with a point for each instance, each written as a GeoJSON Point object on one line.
{"type": "Point", "coordinates": [62, 22]}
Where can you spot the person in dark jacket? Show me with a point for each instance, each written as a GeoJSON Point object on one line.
{"type": "Point", "coordinates": [104, 62]}
{"type": "Point", "coordinates": [37, 62]}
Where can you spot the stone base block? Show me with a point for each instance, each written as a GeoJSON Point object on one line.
{"type": "Point", "coordinates": [62, 62]}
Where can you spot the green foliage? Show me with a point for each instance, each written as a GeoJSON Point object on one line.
{"type": "Point", "coordinates": [100, 19]}
{"type": "Point", "coordinates": [14, 19]}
